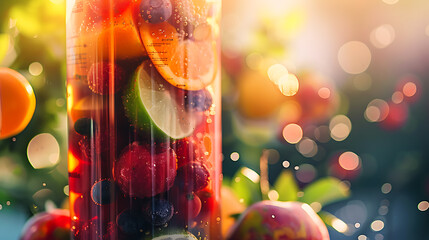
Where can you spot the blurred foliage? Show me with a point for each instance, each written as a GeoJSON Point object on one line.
{"type": "Point", "coordinates": [33, 31]}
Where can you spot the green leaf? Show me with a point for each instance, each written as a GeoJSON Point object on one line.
{"type": "Point", "coordinates": [245, 185]}
{"type": "Point", "coordinates": [325, 191]}
{"type": "Point", "coordinates": [286, 187]}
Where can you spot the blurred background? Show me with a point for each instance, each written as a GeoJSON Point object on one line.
{"type": "Point", "coordinates": [311, 90]}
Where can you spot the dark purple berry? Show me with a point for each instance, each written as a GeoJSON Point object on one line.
{"type": "Point", "coordinates": [101, 192]}
{"type": "Point", "coordinates": [193, 177]}
{"type": "Point", "coordinates": [199, 101]}
{"type": "Point", "coordinates": [156, 11]}
{"type": "Point", "coordinates": [131, 222]}
{"type": "Point", "coordinates": [84, 126]}
{"type": "Point", "coordinates": [159, 212]}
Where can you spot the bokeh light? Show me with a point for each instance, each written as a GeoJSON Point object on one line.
{"type": "Point", "coordinates": [397, 97]}
{"type": "Point", "coordinates": [324, 92]}
{"type": "Point", "coordinates": [292, 133]}
{"type": "Point", "coordinates": [276, 72]}
{"type": "Point", "coordinates": [35, 69]}
{"type": "Point", "coordinates": [340, 127]}
{"type": "Point", "coordinates": [235, 156]}
{"type": "Point", "coordinates": [376, 111]}
{"type": "Point", "coordinates": [322, 134]}
{"type": "Point", "coordinates": [307, 147]}
{"type": "Point", "coordinates": [379, 236]}
{"type": "Point", "coordinates": [377, 225]}
{"type": "Point", "coordinates": [383, 210]}
{"type": "Point", "coordinates": [423, 206]}
{"type": "Point", "coordinates": [286, 164]}
{"type": "Point", "coordinates": [254, 61]}
{"type": "Point", "coordinates": [386, 188]}
{"type": "Point", "coordinates": [43, 151]}
{"type": "Point", "coordinates": [306, 173]}
{"type": "Point", "coordinates": [382, 36]}
{"type": "Point", "coordinates": [354, 57]}
{"type": "Point", "coordinates": [362, 237]}
{"type": "Point", "coordinates": [349, 161]}
{"type": "Point", "coordinates": [273, 195]}
{"type": "Point", "coordinates": [339, 225]}
{"type": "Point", "coordinates": [288, 85]}
{"type": "Point", "coordinates": [409, 89]}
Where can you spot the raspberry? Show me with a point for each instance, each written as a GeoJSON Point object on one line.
{"type": "Point", "coordinates": [188, 150]}
{"type": "Point", "coordinates": [193, 177]}
{"type": "Point", "coordinates": [99, 77]}
{"type": "Point", "coordinates": [140, 173]}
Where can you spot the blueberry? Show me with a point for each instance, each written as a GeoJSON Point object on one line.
{"type": "Point", "coordinates": [156, 11]}
{"type": "Point", "coordinates": [160, 212]}
{"type": "Point", "coordinates": [84, 126]}
{"type": "Point", "coordinates": [131, 222]}
{"type": "Point", "coordinates": [101, 192]}
{"type": "Point", "coordinates": [198, 100]}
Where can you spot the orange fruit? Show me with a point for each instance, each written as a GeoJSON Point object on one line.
{"type": "Point", "coordinates": [258, 97]}
{"type": "Point", "coordinates": [117, 39]}
{"type": "Point", "coordinates": [184, 63]}
{"type": "Point", "coordinates": [17, 102]}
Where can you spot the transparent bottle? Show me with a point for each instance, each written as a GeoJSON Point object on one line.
{"type": "Point", "coordinates": [143, 101]}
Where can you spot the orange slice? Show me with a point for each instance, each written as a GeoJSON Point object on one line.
{"type": "Point", "coordinates": [187, 64]}
{"type": "Point", "coordinates": [17, 102]}
{"type": "Point", "coordinates": [117, 39]}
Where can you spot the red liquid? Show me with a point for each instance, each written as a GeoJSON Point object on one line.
{"type": "Point", "coordinates": [144, 119]}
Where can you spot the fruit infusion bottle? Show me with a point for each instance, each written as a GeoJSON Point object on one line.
{"type": "Point", "coordinates": [143, 92]}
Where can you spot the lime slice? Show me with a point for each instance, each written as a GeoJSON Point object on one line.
{"type": "Point", "coordinates": [184, 236]}
{"type": "Point", "coordinates": [151, 106]}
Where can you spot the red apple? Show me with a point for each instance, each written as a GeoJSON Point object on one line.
{"type": "Point", "coordinates": [52, 225]}
{"type": "Point", "coordinates": [279, 220]}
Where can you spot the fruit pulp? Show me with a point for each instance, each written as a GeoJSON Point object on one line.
{"type": "Point", "coordinates": [143, 100]}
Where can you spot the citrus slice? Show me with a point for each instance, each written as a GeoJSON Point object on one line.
{"type": "Point", "coordinates": [17, 102]}
{"type": "Point", "coordinates": [188, 236]}
{"type": "Point", "coordinates": [185, 63]}
{"type": "Point", "coordinates": [116, 39]}
{"type": "Point", "coordinates": [150, 105]}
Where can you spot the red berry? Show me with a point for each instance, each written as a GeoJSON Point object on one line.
{"type": "Point", "coordinates": [188, 150]}
{"type": "Point", "coordinates": [140, 173]}
{"type": "Point", "coordinates": [188, 206]}
{"type": "Point", "coordinates": [193, 177]}
{"type": "Point", "coordinates": [99, 77]}
{"type": "Point", "coordinates": [208, 203]}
